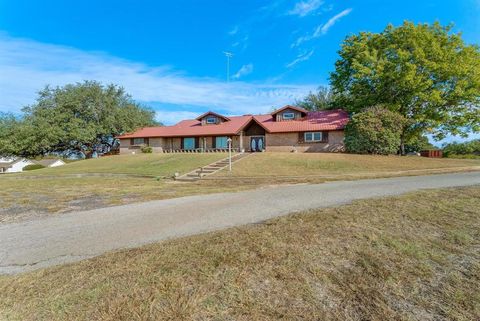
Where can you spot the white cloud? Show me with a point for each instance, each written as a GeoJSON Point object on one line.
{"type": "Point", "coordinates": [243, 71]}
{"type": "Point", "coordinates": [304, 8]}
{"type": "Point", "coordinates": [321, 29]}
{"type": "Point", "coordinates": [168, 117]}
{"type": "Point", "coordinates": [324, 29]}
{"type": "Point", "coordinates": [234, 31]}
{"type": "Point", "coordinates": [301, 57]}
{"type": "Point", "coordinates": [27, 66]}
{"type": "Point", "coordinates": [241, 44]}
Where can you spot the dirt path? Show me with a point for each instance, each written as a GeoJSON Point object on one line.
{"type": "Point", "coordinates": [78, 235]}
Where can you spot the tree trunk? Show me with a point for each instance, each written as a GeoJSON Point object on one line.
{"type": "Point", "coordinates": [402, 144]}
{"type": "Point", "coordinates": [88, 154]}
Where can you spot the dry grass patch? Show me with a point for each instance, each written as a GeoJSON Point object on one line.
{"type": "Point", "coordinates": [22, 199]}
{"type": "Point", "coordinates": [413, 257]}
{"type": "Point", "coordinates": [338, 165]}
{"type": "Point", "coordinates": [60, 189]}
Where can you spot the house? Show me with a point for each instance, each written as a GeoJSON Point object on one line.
{"type": "Point", "coordinates": [13, 165]}
{"type": "Point", "coordinates": [286, 129]}
{"type": "Point", "coordinates": [54, 162]}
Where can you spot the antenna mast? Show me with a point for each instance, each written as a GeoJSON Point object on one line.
{"type": "Point", "coordinates": [228, 55]}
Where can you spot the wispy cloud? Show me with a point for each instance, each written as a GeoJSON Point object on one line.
{"type": "Point", "coordinates": [243, 71]}
{"type": "Point", "coordinates": [301, 57]}
{"type": "Point", "coordinates": [324, 29]}
{"type": "Point", "coordinates": [234, 31]}
{"type": "Point", "coordinates": [304, 8]}
{"type": "Point", "coordinates": [168, 117]}
{"type": "Point", "coordinates": [241, 44]}
{"type": "Point", "coordinates": [27, 66]}
{"type": "Point", "coordinates": [321, 29]}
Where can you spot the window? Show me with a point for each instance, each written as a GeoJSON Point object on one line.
{"type": "Point", "coordinates": [221, 142]}
{"type": "Point", "coordinates": [189, 143]}
{"type": "Point", "coordinates": [211, 120]}
{"type": "Point", "coordinates": [138, 141]}
{"type": "Point", "coordinates": [313, 137]}
{"type": "Point", "coordinates": [288, 115]}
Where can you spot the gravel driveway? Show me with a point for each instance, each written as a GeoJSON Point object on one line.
{"type": "Point", "coordinates": [78, 235]}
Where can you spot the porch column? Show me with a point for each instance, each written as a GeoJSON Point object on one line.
{"type": "Point", "coordinates": [241, 140]}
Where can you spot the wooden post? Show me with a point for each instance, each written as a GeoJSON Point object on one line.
{"type": "Point", "coordinates": [241, 140]}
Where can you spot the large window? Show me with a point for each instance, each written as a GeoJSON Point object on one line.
{"type": "Point", "coordinates": [221, 142]}
{"type": "Point", "coordinates": [211, 120]}
{"type": "Point", "coordinates": [288, 116]}
{"type": "Point", "coordinates": [311, 137]}
{"type": "Point", "coordinates": [189, 143]}
{"type": "Point", "coordinates": [138, 141]}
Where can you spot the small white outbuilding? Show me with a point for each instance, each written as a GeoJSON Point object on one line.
{"type": "Point", "coordinates": [13, 165]}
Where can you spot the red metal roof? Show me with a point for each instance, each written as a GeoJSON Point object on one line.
{"type": "Point", "coordinates": [314, 121]}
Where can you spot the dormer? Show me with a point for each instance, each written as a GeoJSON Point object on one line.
{"type": "Point", "coordinates": [211, 118]}
{"type": "Point", "coordinates": [289, 113]}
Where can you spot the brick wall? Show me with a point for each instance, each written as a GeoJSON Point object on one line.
{"type": "Point", "coordinates": [287, 142]}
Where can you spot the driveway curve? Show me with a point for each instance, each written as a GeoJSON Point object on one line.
{"type": "Point", "coordinates": [79, 235]}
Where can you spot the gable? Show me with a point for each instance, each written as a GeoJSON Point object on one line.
{"type": "Point", "coordinates": [254, 129]}
{"type": "Point", "coordinates": [211, 118]}
{"type": "Point", "coordinates": [289, 113]}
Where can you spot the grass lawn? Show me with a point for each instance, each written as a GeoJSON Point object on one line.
{"type": "Point", "coordinates": [140, 164]}
{"type": "Point", "coordinates": [57, 190]}
{"type": "Point", "coordinates": [331, 165]}
{"type": "Point", "coordinates": [412, 257]}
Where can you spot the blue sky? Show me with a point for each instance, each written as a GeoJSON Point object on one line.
{"type": "Point", "coordinates": [169, 54]}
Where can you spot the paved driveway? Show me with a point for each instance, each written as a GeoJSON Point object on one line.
{"type": "Point", "coordinates": [78, 235]}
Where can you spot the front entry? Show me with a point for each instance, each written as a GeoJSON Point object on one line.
{"type": "Point", "coordinates": [257, 143]}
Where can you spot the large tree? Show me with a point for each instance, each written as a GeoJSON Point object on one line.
{"type": "Point", "coordinates": [81, 118]}
{"type": "Point", "coordinates": [321, 99]}
{"type": "Point", "coordinates": [425, 72]}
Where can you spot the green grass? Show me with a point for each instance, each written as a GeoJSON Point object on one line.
{"type": "Point", "coordinates": [308, 164]}
{"type": "Point", "coordinates": [412, 257]}
{"type": "Point", "coordinates": [140, 164]}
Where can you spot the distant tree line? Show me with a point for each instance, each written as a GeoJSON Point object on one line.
{"type": "Point", "coordinates": [424, 73]}
{"type": "Point", "coordinates": [77, 119]}
{"type": "Point", "coordinates": [469, 149]}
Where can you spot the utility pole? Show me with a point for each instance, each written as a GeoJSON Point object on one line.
{"type": "Point", "coordinates": [228, 55]}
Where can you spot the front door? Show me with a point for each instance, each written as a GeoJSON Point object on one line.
{"type": "Point", "coordinates": [257, 143]}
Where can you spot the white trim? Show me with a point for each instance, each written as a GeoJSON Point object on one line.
{"type": "Point", "coordinates": [288, 113]}
{"type": "Point", "coordinates": [207, 120]}
{"type": "Point", "coordinates": [313, 140]}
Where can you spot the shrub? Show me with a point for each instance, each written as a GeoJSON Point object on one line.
{"type": "Point", "coordinates": [467, 148]}
{"type": "Point", "coordinates": [33, 167]}
{"type": "Point", "coordinates": [374, 131]}
{"type": "Point", "coordinates": [147, 149]}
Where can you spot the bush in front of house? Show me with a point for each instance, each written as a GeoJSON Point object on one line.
{"type": "Point", "coordinates": [374, 131]}
{"type": "Point", "coordinates": [33, 167]}
{"type": "Point", "coordinates": [147, 149]}
{"type": "Point", "coordinates": [469, 149]}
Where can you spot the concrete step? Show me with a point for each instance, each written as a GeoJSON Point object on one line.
{"type": "Point", "coordinates": [210, 169]}
{"type": "Point", "coordinates": [192, 175]}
